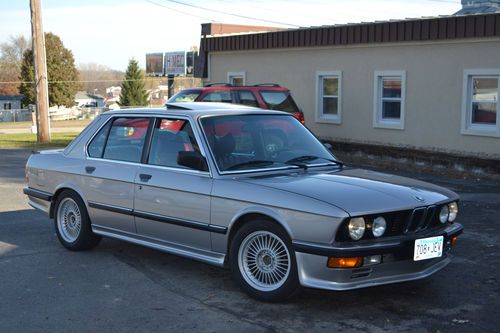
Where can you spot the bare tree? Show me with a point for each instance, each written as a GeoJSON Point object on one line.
{"type": "Point", "coordinates": [13, 50]}
{"type": "Point", "coordinates": [98, 77]}
{"type": "Point", "coordinates": [11, 57]}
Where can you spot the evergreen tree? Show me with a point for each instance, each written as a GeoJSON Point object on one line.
{"type": "Point", "coordinates": [133, 92]}
{"type": "Point", "coordinates": [61, 73]}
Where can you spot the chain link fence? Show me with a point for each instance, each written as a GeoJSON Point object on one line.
{"type": "Point", "coordinates": [15, 115]}
{"type": "Point", "coordinates": [23, 115]}
{"type": "Point", "coordinates": [82, 113]}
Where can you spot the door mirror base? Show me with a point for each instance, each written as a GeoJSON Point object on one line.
{"type": "Point", "coordinates": [193, 160]}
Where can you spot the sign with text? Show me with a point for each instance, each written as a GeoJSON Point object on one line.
{"type": "Point", "coordinates": [154, 64]}
{"type": "Point", "coordinates": [175, 63]}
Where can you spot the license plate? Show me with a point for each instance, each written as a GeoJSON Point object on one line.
{"type": "Point", "coordinates": [427, 248]}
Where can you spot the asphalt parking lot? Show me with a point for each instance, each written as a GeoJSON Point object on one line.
{"type": "Point", "coordinates": [123, 287]}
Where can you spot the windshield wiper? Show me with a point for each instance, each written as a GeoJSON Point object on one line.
{"type": "Point", "coordinates": [250, 163]}
{"type": "Point", "coordinates": [300, 160]}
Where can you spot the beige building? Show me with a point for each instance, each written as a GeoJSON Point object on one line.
{"type": "Point", "coordinates": [427, 84]}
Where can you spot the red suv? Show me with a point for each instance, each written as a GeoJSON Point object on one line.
{"type": "Point", "coordinates": [266, 96]}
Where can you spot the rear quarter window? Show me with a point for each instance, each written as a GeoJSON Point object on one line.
{"type": "Point", "coordinates": [96, 146]}
{"type": "Point", "coordinates": [223, 96]}
{"type": "Point", "coordinates": [246, 97]}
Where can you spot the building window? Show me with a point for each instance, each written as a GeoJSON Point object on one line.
{"type": "Point", "coordinates": [389, 99]}
{"type": "Point", "coordinates": [7, 106]}
{"type": "Point", "coordinates": [480, 107]}
{"type": "Point", "coordinates": [236, 78]}
{"type": "Point", "coordinates": [328, 97]}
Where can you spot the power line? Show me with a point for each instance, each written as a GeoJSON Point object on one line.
{"type": "Point", "coordinates": [179, 11]}
{"type": "Point", "coordinates": [269, 9]}
{"type": "Point", "coordinates": [445, 1]}
{"type": "Point", "coordinates": [232, 14]}
{"type": "Point", "coordinates": [79, 81]}
{"type": "Point", "coordinates": [272, 21]}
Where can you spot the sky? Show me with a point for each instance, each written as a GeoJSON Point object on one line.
{"type": "Point", "coordinates": [111, 32]}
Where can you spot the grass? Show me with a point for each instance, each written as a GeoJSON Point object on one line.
{"type": "Point", "coordinates": [53, 124]}
{"type": "Point", "coordinates": [28, 140]}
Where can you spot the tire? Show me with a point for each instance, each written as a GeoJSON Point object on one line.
{"type": "Point", "coordinates": [262, 261]}
{"type": "Point", "coordinates": [72, 223]}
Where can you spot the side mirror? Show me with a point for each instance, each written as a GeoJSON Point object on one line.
{"type": "Point", "coordinates": [193, 160]}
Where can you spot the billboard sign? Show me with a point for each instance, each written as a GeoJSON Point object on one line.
{"type": "Point", "coordinates": [175, 63]}
{"type": "Point", "coordinates": [154, 64]}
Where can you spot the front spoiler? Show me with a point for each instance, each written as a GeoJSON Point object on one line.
{"type": "Point", "coordinates": [313, 273]}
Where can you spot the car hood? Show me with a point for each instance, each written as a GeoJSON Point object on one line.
{"type": "Point", "coordinates": [358, 191]}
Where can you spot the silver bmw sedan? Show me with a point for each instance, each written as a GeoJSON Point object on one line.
{"type": "Point", "coordinates": [244, 188]}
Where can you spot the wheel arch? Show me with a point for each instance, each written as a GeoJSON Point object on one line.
{"type": "Point", "coordinates": [250, 215]}
{"type": "Point", "coordinates": [61, 188]}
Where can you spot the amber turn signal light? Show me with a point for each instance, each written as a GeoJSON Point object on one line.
{"type": "Point", "coordinates": [453, 240]}
{"type": "Point", "coordinates": [334, 262]}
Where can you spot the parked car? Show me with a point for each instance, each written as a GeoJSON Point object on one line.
{"type": "Point", "coordinates": [265, 96]}
{"type": "Point", "coordinates": [244, 188]}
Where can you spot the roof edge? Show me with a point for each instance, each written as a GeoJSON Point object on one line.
{"type": "Point", "coordinates": [423, 29]}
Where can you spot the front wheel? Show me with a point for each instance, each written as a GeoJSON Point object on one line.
{"type": "Point", "coordinates": [262, 261]}
{"type": "Point", "coordinates": [72, 223]}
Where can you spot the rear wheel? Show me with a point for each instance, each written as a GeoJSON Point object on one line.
{"type": "Point", "coordinates": [262, 261]}
{"type": "Point", "coordinates": [72, 223]}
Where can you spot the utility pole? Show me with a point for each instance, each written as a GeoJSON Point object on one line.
{"type": "Point", "coordinates": [40, 64]}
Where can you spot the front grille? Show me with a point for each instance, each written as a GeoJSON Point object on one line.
{"type": "Point", "coordinates": [419, 219]}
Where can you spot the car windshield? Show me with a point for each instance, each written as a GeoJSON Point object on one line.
{"type": "Point", "coordinates": [185, 96]}
{"type": "Point", "coordinates": [250, 142]}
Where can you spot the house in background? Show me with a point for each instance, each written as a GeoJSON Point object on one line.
{"type": "Point", "coordinates": [113, 97]}
{"type": "Point", "coordinates": [83, 99]}
{"type": "Point", "coordinates": [479, 7]}
{"type": "Point", "coordinates": [419, 87]}
{"type": "Point", "coordinates": [11, 109]}
{"type": "Point", "coordinates": [11, 102]}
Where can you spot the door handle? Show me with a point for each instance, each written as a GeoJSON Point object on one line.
{"type": "Point", "coordinates": [89, 169]}
{"type": "Point", "coordinates": [144, 177]}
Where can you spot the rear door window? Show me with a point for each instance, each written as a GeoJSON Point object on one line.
{"type": "Point", "coordinates": [223, 96]}
{"type": "Point", "coordinates": [126, 139]}
{"type": "Point", "coordinates": [279, 100]}
{"type": "Point", "coordinates": [246, 97]}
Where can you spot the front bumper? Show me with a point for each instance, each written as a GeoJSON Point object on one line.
{"type": "Point", "coordinates": [397, 262]}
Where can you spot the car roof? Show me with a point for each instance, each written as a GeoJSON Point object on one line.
{"type": "Point", "coordinates": [197, 109]}
{"type": "Point", "coordinates": [263, 87]}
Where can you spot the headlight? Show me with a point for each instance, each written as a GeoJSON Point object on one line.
{"type": "Point", "coordinates": [356, 227]}
{"type": "Point", "coordinates": [453, 211]}
{"type": "Point", "coordinates": [443, 214]}
{"type": "Point", "coordinates": [378, 227]}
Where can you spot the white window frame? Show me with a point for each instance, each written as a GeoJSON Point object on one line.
{"type": "Point", "coordinates": [468, 128]}
{"type": "Point", "coordinates": [231, 75]}
{"type": "Point", "coordinates": [328, 118]}
{"type": "Point", "coordinates": [378, 121]}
